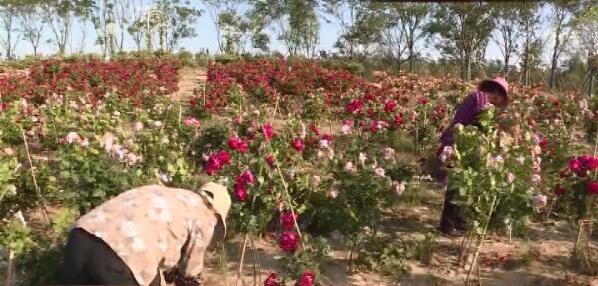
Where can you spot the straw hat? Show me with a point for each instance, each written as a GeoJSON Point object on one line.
{"type": "Point", "coordinates": [218, 197]}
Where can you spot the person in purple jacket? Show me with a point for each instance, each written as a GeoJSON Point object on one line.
{"type": "Point", "coordinates": [493, 91]}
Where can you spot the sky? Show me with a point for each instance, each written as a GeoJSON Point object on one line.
{"type": "Point", "coordinates": [206, 38]}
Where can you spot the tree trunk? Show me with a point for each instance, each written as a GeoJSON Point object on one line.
{"type": "Point", "coordinates": [554, 58]}
{"type": "Point", "coordinates": [411, 56]}
{"type": "Point", "coordinates": [468, 67]}
{"type": "Point", "coordinates": [590, 85]}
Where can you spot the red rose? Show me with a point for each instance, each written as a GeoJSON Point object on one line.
{"type": "Point", "coordinates": [398, 120]}
{"type": "Point", "coordinates": [234, 142]}
{"type": "Point", "coordinates": [240, 192]}
{"type": "Point", "coordinates": [354, 106]}
{"type": "Point", "coordinates": [389, 106]}
{"type": "Point", "coordinates": [271, 160]}
{"type": "Point", "coordinates": [288, 241]}
{"type": "Point", "coordinates": [423, 100]}
{"type": "Point", "coordinates": [287, 219]}
{"type": "Point", "coordinates": [327, 137]}
{"type": "Point", "coordinates": [213, 165]}
{"type": "Point", "coordinates": [271, 280]}
{"type": "Point", "coordinates": [298, 145]}
{"type": "Point", "coordinates": [593, 188]}
{"type": "Point", "coordinates": [556, 103]}
{"type": "Point", "coordinates": [307, 279]}
{"type": "Point", "coordinates": [267, 130]}
{"type": "Point", "coordinates": [559, 191]}
{"type": "Point", "coordinates": [314, 129]}
{"type": "Point", "coordinates": [245, 178]}
{"type": "Point", "coordinates": [224, 157]}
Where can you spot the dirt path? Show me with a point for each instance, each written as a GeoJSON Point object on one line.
{"type": "Point", "coordinates": [191, 79]}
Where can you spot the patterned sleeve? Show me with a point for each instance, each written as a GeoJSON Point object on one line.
{"type": "Point", "coordinates": [200, 238]}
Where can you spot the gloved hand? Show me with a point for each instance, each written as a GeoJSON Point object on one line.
{"type": "Point", "coordinates": [175, 276]}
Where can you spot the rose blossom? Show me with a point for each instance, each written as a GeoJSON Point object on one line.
{"type": "Point", "coordinates": [510, 177]}
{"type": "Point", "coordinates": [347, 126]}
{"type": "Point", "coordinates": [271, 161]}
{"type": "Point", "coordinates": [323, 143]}
{"type": "Point", "coordinates": [288, 241]}
{"type": "Point", "coordinates": [387, 153]}
{"type": "Point", "coordinates": [389, 106]}
{"type": "Point", "coordinates": [379, 172]}
{"type": "Point", "coordinates": [350, 168]}
{"type": "Point", "coordinates": [539, 201]}
{"type": "Point", "coordinates": [333, 192]}
{"type": "Point", "coordinates": [138, 126]}
{"type": "Point", "coordinates": [314, 128]}
{"type": "Point", "coordinates": [307, 279]}
{"type": "Point", "coordinates": [165, 178]}
{"type": "Point", "coordinates": [268, 131]}
{"type": "Point", "coordinates": [559, 191]}
{"type": "Point", "coordinates": [287, 219]}
{"type": "Point", "coordinates": [298, 145]}
{"type": "Point", "coordinates": [315, 179]}
{"type": "Point", "coordinates": [191, 122]}
{"type": "Point", "coordinates": [234, 142]}
{"type": "Point", "coordinates": [157, 124]}
{"type": "Point", "coordinates": [240, 192]}
{"type": "Point", "coordinates": [72, 137]}
{"type": "Point", "coordinates": [362, 158]}
{"type": "Point", "coordinates": [271, 280]}
{"type": "Point", "coordinates": [399, 188]}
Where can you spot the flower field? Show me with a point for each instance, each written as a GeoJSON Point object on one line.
{"type": "Point", "coordinates": [322, 165]}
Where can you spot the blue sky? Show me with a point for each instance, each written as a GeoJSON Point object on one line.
{"type": "Point", "coordinates": [206, 38]}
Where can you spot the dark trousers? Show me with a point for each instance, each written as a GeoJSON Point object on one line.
{"type": "Point", "coordinates": [88, 260]}
{"type": "Point", "coordinates": [451, 214]}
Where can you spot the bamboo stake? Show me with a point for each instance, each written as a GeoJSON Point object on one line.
{"type": "Point", "coordinates": [257, 269]}
{"type": "Point", "coordinates": [242, 260]}
{"type": "Point", "coordinates": [37, 190]}
{"type": "Point", "coordinates": [481, 241]}
{"type": "Point", "coordinates": [9, 271]}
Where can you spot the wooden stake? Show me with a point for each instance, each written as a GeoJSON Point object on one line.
{"type": "Point", "coordinates": [481, 240]}
{"type": "Point", "coordinates": [37, 190]}
{"type": "Point", "coordinates": [9, 271]}
{"type": "Point", "coordinates": [239, 274]}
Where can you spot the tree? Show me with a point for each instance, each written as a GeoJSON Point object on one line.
{"type": "Point", "coordinates": [463, 29]}
{"type": "Point", "coordinates": [9, 15]}
{"type": "Point", "coordinates": [507, 32]}
{"type": "Point", "coordinates": [413, 17]}
{"type": "Point", "coordinates": [345, 13]}
{"type": "Point", "coordinates": [137, 25]}
{"type": "Point", "coordinates": [296, 22]}
{"type": "Point", "coordinates": [180, 18]}
{"type": "Point", "coordinates": [561, 21]}
{"type": "Point", "coordinates": [531, 44]}
{"type": "Point", "coordinates": [32, 25]}
{"type": "Point", "coordinates": [586, 30]}
{"type": "Point", "coordinates": [235, 29]}
{"type": "Point", "coordinates": [59, 15]}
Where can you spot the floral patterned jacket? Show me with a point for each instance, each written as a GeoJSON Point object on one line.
{"type": "Point", "coordinates": [148, 226]}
